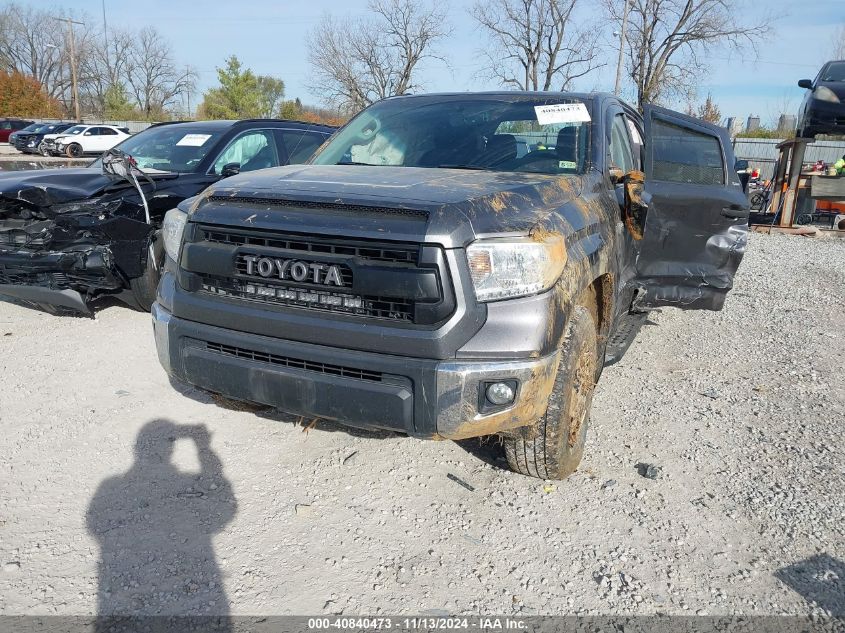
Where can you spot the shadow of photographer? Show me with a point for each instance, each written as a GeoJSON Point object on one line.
{"type": "Point", "coordinates": [154, 525]}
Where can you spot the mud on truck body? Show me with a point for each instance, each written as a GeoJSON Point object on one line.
{"type": "Point", "coordinates": [451, 266]}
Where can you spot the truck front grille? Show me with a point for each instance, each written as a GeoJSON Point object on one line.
{"type": "Point", "coordinates": [310, 298]}
{"type": "Point", "coordinates": [294, 363]}
{"type": "Point", "coordinates": [405, 283]}
{"type": "Point", "coordinates": [322, 246]}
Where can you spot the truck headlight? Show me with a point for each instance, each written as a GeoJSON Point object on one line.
{"type": "Point", "coordinates": [515, 267]}
{"type": "Point", "coordinates": [171, 232]}
{"type": "Point", "coordinates": [825, 94]}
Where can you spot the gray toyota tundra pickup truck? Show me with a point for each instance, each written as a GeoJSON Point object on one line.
{"type": "Point", "coordinates": [453, 265]}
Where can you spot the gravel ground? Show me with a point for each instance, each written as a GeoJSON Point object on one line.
{"type": "Point", "coordinates": [742, 413]}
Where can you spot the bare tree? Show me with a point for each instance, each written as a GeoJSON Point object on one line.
{"type": "Point", "coordinates": [837, 43]}
{"type": "Point", "coordinates": [104, 66]}
{"type": "Point", "coordinates": [151, 74]}
{"type": "Point", "coordinates": [33, 43]}
{"type": "Point", "coordinates": [535, 43]}
{"type": "Point", "coordinates": [666, 40]}
{"type": "Point", "coordinates": [358, 62]}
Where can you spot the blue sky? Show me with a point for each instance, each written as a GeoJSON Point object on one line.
{"type": "Point", "coordinates": [269, 37]}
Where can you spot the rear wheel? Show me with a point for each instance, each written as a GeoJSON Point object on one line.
{"type": "Point", "coordinates": [74, 150]}
{"type": "Point", "coordinates": [553, 448]}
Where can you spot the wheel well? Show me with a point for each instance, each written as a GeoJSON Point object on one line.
{"type": "Point", "coordinates": [598, 297]}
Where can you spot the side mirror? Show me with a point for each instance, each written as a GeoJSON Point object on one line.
{"type": "Point", "coordinates": [87, 134]}
{"type": "Point", "coordinates": [230, 169]}
{"type": "Point", "coordinates": [636, 203]}
{"type": "Point", "coordinates": [740, 165]}
{"type": "Point", "coordinates": [805, 83]}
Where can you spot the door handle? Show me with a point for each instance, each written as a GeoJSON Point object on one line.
{"type": "Point", "coordinates": [735, 212]}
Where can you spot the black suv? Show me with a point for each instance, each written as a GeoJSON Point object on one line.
{"type": "Point", "coordinates": [68, 236]}
{"type": "Point", "coordinates": [424, 274]}
{"type": "Point", "coordinates": [29, 142]}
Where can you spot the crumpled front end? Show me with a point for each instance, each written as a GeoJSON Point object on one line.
{"type": "Point", "coordinates": [67, 254]}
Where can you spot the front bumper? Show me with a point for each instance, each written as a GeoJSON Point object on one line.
{"type": "Point", "coordinates": [421, 397]}
{"type": "Point", "coordinates": [59, 278]}
{"type": "Point", "coordinates": [66, 298]}
{"type": "Point", "coordinates": [824, 117]}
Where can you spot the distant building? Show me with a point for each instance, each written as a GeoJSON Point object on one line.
{"type": "Point", "coordinates": [753, 124]}
{"type": "Point", "coordinates": [787, 124]}
{"type": "Point", "coordinates": [734, 126]}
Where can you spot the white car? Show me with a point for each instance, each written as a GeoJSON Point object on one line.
{"type": "Point", "coordinates": [88, 139]}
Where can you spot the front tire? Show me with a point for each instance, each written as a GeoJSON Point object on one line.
{"type": "Point", "coordinates": [553, 448]}
{"type": "Point", "coordinates": [144, 287]}
{"type": "Point", "coordinates": [74, 150]}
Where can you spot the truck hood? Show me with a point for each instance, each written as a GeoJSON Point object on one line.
{"type": "Point", "coordinates": [457, 205]}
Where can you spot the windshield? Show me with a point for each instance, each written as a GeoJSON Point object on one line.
{"type": "Point", "coordinates": [834, 72]}
{"type": "Point", "coordinates": [76, 129]}
{"type": "Point", "coordinates": [32, 127]}
{"type": "Point", "coordinates": [502, 133]}
{"type": "Point", "coordinates": [169, 148]}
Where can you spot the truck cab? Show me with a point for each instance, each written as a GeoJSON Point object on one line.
{"type": "Point", "coordinates": [453, 265]}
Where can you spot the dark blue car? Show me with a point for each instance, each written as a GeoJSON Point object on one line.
{"type": "Point", "coordinates": [823, 109]}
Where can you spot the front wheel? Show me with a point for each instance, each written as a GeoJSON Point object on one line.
{"type": "Point", "coordinates": [74, 150]}
{"type": "Point", "coordinates": [553, 448]}
{"type": "Point", "coordinates": [144, 287]}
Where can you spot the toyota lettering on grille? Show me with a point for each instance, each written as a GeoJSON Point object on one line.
{"type": "Point", "coordinates": [293, 270]}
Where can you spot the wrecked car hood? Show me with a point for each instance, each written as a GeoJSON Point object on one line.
{"type": "Point", "coordinates": [453, 200]}
{"type": "Point", "coordinates": [45, 187]}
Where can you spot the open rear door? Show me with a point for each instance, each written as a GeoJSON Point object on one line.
{"type": "Point", "coordinates": [697, 222]}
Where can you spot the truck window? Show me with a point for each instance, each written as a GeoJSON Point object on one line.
{"type": "Point", "coordinates": [547, 135]}
{"type": "Point", "coordinates": [685, 155]}
{"type": "Point", "coordinates": [636, 142]}
{"type": "Point", "coordinates": [621, 155]}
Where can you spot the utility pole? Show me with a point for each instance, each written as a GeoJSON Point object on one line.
{"type": "Point", "coordinates": [106, 42]}
{"type": "Point", "coordinates": [74, 86]}
{"type": "Point", "coordinates": [621, 48]}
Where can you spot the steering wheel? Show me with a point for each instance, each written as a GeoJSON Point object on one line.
{"type": "Point", "coordinates": [535, 157]}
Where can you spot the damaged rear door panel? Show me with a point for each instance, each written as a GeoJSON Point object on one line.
{"type": "Point", "coordinates": [697, 224]}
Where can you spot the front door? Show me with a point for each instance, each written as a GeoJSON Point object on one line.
{"type": "Point", "coordinates": [697, 222]}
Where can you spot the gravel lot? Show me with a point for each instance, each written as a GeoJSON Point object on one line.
{"type": "Point", "coordinates": [742, 412]}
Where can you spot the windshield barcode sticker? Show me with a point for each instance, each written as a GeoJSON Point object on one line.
{"type": "Point", "coordinates": [194, 140]}
{"type": "Point", "coordinates": [562, 113]}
